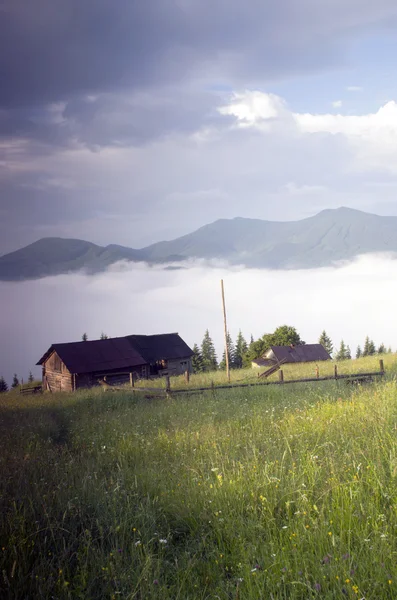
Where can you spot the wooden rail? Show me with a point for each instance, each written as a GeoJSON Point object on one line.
{"type": "Point", "coordinates": [34, 389]}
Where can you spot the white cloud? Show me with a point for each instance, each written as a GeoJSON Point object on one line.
{"type": "Point", "coordinates": [141, 300]}
{"type": "Point", "coordinates": [337, 103]}
{"type": "Point", "coordinates": [253, 108]}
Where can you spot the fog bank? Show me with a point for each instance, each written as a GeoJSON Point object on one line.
{"type": "Point", "coordinates": [350, 302]}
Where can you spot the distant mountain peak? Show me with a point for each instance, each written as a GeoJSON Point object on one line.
{"type": "Point", "coordinates": [333, 235]}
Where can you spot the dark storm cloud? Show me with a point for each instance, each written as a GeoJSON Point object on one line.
{"type": "Point", "coordinates": [52, 50]}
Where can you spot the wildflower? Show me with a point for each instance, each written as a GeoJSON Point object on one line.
{"type": "Point", "coordinates": [346, 556]}
{"type": "Point", "coordinates": [390, 582]}
{"type": "Point", "coordinates": [155, 582]}
{"type": "Point", "coordinates": [138, 543]}
{"type": "Point", "coordinates": [162, 541]}
{"type": "Point", "coordinates": [317, 587]}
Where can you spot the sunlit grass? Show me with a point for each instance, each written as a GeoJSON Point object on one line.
{"type": "Point", "coordinates": [291, 371]}
{"type": "Point", "coordinates": [277, 492]}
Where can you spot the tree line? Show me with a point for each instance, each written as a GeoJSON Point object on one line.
{"type": "Point", "coordinates": [241, 353]}
{"type": "Point", "coordinates": [344, 352]}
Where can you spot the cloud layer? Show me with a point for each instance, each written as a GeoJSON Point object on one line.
{"type": "Point", "coordinates": [140, 300]}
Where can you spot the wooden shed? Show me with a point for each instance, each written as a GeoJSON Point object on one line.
{"type": "Point", "coordinates": [70, 366]}
{"type": "Point", "coordinates": [296, 353]}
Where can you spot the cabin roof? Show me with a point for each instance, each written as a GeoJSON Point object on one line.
{"type": "Point", "coordinates": [118, 353]}
{"type": "Point", "coordinates": [97, 355]}
{"type": "Point", "coordinates": [300, 353]}
{"type": "Point", "coordinates": [164, 346]}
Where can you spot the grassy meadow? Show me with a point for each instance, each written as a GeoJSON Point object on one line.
{"type": "Point", "coordinates": [258, 493]}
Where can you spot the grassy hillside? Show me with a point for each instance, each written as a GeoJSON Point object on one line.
{"type": "Point", "coordinates": [278, 492]}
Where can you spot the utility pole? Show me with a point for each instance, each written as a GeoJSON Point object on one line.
{"type": "Point", "coordinates": [225, 324]}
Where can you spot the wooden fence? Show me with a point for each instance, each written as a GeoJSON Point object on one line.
{"type": "Point", "coordinates": [348, 377]}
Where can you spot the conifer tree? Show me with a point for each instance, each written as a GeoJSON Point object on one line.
{"type": "Point", "coordinates": [382, 349]}
{"type": "Point", "coordinates": [358, 352]}
{"type": "Point", "coordinates": [341, 355]}
{"type": "Point", "coordinates": [3, 385]}
{"type": "Point", "coordinates": [326, 342]}
{"type": "Point", "coordinates": [15, 381]}
{"type": "Point", "coordinates": [231, 352]}
{"type": "Point", "coordinates": [348, 353]}
{"type": "Point", "coordinates": [197, 360]}
{"type": "Point", "coordinates": [372, 348]}
{"type": "Point", "coordinates": [240, 350]}
{"type": "Point", "coordinates": [389, 350]}
{"type": "Point", "coordinates": [366, 347]}
{"type": "Point", "coordinates": [104, 336]}
{"type": "Point", "coordinates": [210, 362]}
{"type": "Point", "coordinates": [30, 378]}
{"type": "Point", "coordinates": [84, 337]}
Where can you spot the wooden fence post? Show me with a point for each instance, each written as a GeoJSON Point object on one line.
{"type": "Point", "coordinates": [187, 376]}
{"type": "Point", "coordinates": [132, 379]}
{"type": "Point", "coordinates": [167, 385]}
{"type": "Point", "coordinates": [281, 376]}
{"type": "Point", "coordinates": [317, 372]}
{"type": "Point", "coordinates": [336, 371]}
{"type": "Point", "coordinates": [382, 368]}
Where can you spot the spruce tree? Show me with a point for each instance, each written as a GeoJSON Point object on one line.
{"type": "Point", "coordinates": [197, 360]}
{"type": "Point", "coordinates": [84, 337]}
{"type": "Point", "coordinates": [3, 385]}
{"type": "Point", "coordinates": [231, 351]}
{"type": "Point", "coordinates": [382, 349]}
{"type": "Point", "coordinates": [358, 352]}
{"type": "Point", "coordinates": [389, 350]}
{"type": "Point", "coordinates": [210, 362]}
{"type": "Point", "coordinates": [239, 351]}
{"type": "Point", "coordinates": [366, 347]}
{"type": "Point", "coordinates": [372, 348]}
{"type": "Point", "coordinates": [348, 353]}
{"type": "Point", "coordinates": [104, 336]}
{"type": "Point", "coordinates": [326, 342]}
{"type": "Point", "coordinates": [341, 354]}
{"type": "Point", "coordinates": [30, 378]}
{"type": "Point", "coordinates": [15, 381]}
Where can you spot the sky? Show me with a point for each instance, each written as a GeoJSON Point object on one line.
{"type": "Point", "coordinates": [131, 122]}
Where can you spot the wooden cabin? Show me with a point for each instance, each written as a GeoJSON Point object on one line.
{"type": "Point", "coordinates": [70, 366]}
{"type": "Point", "coordinates": [296, 354]}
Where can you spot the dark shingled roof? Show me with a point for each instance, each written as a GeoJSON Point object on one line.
{"type": "Point", "coordinates": [119, 353]}
{"type": "Point", "coordinates": [160, 347]}
{"type": "Point", "coordinates": [95, 356]}
{"type": "Point", "coordinates": [301, 353]}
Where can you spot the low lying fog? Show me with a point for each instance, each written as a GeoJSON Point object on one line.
{"type": "Point", "coordinates": [350, 302]}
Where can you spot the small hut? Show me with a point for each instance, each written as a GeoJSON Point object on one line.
{"type": "Point", "coordinates": [74, 365]}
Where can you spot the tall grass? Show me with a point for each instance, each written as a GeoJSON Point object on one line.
{"type": "Point", "coordinates": [283, 493]}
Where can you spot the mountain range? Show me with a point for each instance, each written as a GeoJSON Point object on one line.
{"type": "Point", "coordinates": [331, 236]}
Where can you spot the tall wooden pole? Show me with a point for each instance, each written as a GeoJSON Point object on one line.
{"type": "Point", "coordinates": [225, 324]}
